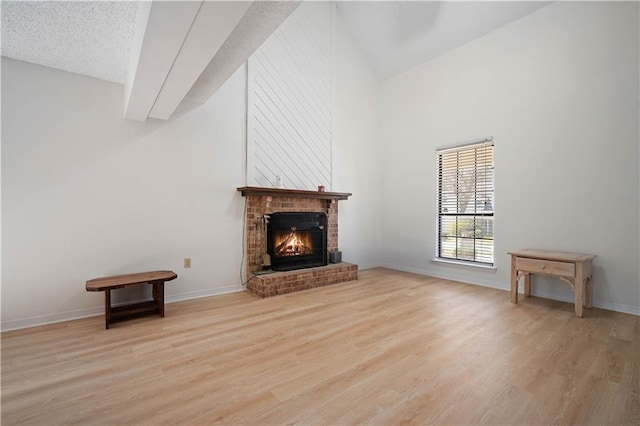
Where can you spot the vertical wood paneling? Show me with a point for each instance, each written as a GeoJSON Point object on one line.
{"type": "Point", "coordinates": [289, 102]}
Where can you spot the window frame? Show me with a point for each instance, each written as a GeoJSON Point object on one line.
{"type": "Point", "coordinates": [465, 148]}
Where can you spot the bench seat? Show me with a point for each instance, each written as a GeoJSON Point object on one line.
{"type": "Point", "coordinates": [106, 284]}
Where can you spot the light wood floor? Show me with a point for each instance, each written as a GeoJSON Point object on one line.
{"type": "Point", "coordinates": [391, 348]}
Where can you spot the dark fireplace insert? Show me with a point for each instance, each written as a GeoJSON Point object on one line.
{"type": "Point", "coordinates": [297, 240]}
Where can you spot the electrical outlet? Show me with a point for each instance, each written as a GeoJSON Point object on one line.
{"type": "Point", "coordinates": [187, 262]}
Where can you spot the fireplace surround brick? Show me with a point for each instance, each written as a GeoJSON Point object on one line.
{"type": "Point", "coordinates": [261, 201]}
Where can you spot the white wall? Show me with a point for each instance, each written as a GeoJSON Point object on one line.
{"type": "Point", "coordinates": [86, 193]}
{"type": "Point", "coordinates": [356, 152]}
{"type": "Point", "coordinates": [558, 91]}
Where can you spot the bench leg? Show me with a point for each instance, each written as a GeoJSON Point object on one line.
{"type": "Point", "coordinates": [158, 296]}
{"type": "Point", "coordinates": [107, 308]}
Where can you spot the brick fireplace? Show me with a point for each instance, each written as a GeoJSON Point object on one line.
{"type": "Point", "coordinates": [263, 202]}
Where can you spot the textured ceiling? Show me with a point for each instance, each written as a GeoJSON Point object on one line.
{"type": "Point", "coordinates": [94, 37]}
{"type": "Point", "coordinates": [85, 37]}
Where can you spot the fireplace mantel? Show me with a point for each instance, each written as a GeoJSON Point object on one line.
{"type": "Point", "coordinates": [293, 193]}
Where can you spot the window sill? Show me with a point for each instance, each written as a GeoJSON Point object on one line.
{"type": "Point", "coordinates": [462, 263]}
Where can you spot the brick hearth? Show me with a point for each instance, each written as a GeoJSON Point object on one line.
{"type": "Point", "coordinates": [261, 201]}
{"type": "Point", "coordinates": [302, 279]}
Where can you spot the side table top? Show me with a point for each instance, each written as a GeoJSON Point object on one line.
{"type": "Point", "coordinates": [562, 256]}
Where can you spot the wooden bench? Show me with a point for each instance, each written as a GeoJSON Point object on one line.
{"type": "Point", "coordinates": [156, 306]}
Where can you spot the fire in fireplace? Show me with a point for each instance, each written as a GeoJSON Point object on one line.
{"type": "Point", "coordinates": [294, 244]}
{"type": "Point", "coordinates": [297, 240]}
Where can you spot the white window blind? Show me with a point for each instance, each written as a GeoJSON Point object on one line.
{"type": "Point", "coordinates": [465, 203]}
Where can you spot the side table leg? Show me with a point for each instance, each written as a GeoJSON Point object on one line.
{"type": "Point", "coordinates": [527, 284]}
{"type": "Point", "coordinates": [588, 283]}
{"type": "Point", "coordinates": [107, 308]}
{"type": "Point", "coordinates": [579, 289]}
{"type": "Point", "coordinates": [514, 281]}
{"type": "Point", "coordinates": [588, 300]}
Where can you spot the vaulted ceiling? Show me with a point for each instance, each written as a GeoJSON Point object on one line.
{"type": "Point", "coordinates": [397, 35]}
{"type": "Point", "coordinates": [170, 54]}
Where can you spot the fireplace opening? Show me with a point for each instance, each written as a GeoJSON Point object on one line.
{"type": "Point", "coordinates": [297, 240]}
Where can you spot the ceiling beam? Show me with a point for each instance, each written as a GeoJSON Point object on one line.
{"type": "Point", "coordinates": [164, 32]}
{"type": "Point", "coordinates": [184, 51]}
{"type": "Point", "coordinates": [211, 27]}
{"type": "Point", "coordinates": [257, 24]}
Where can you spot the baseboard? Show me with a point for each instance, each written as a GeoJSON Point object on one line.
{"type": "Point", "coordinates": [464, 279]}
{"type": "Point", "coordinates": [367, 266]}
{"type": "Point", "coordinates": [99, 310]}
{"type": "Point", "coordinates": [51, 318]}
{"type": "Point", "coordinates": [617, 307]}
{"type": "Point", "coordinates": [202, 293]}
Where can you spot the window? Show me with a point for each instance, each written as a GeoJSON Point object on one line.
{"type": "Point", "coordinates": [465, 203]}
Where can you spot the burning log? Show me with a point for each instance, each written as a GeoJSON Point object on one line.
{"type": "Point", "coordinates": [293, 246]}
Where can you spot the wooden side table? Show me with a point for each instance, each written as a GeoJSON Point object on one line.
{"type": "Point", "coordinates": [575, 269]}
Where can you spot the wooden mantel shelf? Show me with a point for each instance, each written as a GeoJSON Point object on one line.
{"type": "Point", "coordinates": [293, 193]}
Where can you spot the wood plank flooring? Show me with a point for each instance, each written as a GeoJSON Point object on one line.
{"type": "Point", "coordinates": [391, 348]}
